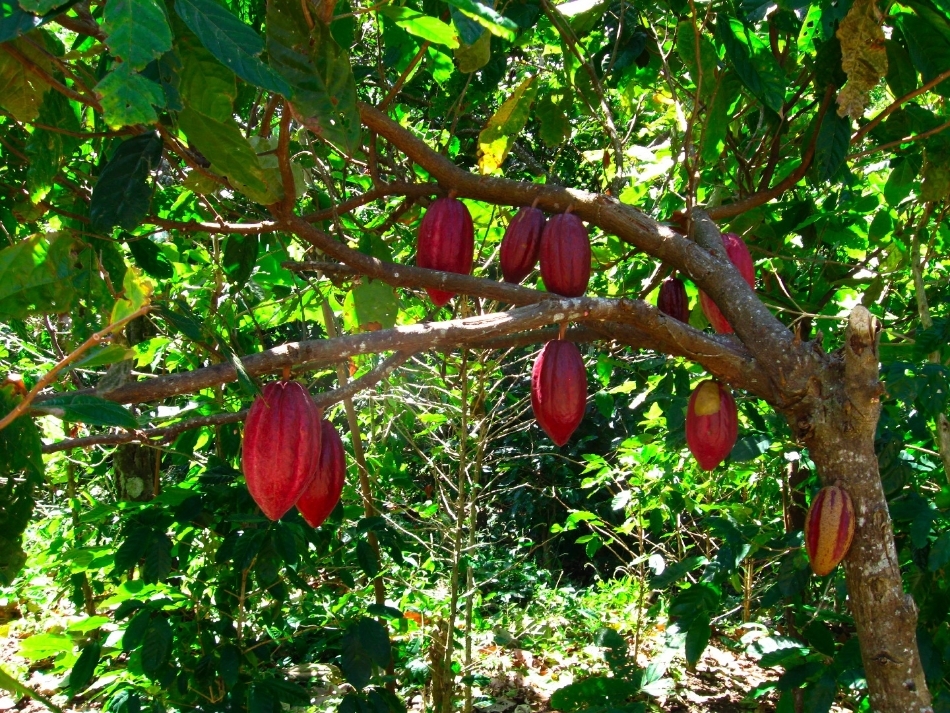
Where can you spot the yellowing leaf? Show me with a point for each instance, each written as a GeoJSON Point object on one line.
{"type": "Point", "coordinates": [496, 139]}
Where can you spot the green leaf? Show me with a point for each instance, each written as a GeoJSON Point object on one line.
{"type": "Point", "coordinates": [20, 454]}
{"type": "Point", "coordinates": [240, 256]}
{"type": "Point", "coordinates": [831, 148]}
{"type": "Point", "coordinates": [753, 62]}
{"type": "Point", "coordinates": [128, 98]}
{"type": "Point", "coordinates": [496, 139]}
{"type": "Point", "coordinates": [420, 25]}
{"type": "Point", "coordinates": [370, 306]}
{"type": "Point", "coordinates": [158, 559]}
{"type": "Point", "coordinates": [136, 293]}
{"type": "Point", "coordinates": [36, 276]}
{"type": "Point", "coordinates": [596, 691]}
{"type": "Point", "coordinates": [135, 631]}
{"type": "Point", "coordinates": [21, 92]}
{"type": "Point", "coordinates": [697, 638]}
{"type": "Point", "coordinates": [40, 7]}
{"type": "Point", "coordinates": [319, 72]}
{"type": "Point", "coordinates": [929, 50]}
{"type": "Point", "coordinates": [14, 21]}
{"type": "Point", "coordinates": [900, 182]}
{"type": "Point", "coordinates": [88, 409]}
{"type": "Point", "coordinates": [107, 354]}
{"type": "Point", "coordinates": [901, 75]}
{"type": "Point", "coordinates": [364, 643]}
{"type": "Point", "coordinates": [208, 91]}
{"type": "Point", "coordinates": [555, 125]}
{"type": "Point", "coordinates": [85, 667]}
{"type": "Point", "coordinates": [686, 48]}
{"type": "Point", "coordinates": [149, 257]}
{"type": "Point", "coordinates": [42, 646]}
{"type": "Point", "coordinates": [233, 43]}
{"type": "Point", "coordinates": [156, 645]}
{"type": "Point", "coordinates": [137, 31]}
{"type": "Point", "coordinates": [939, 553]}
{"type": "Point", "coordinates": [472, 57]}
{"type": "Point", "coordinates": [367, 558]}
{"type": "Point", "coordinates": [122, 195]}
{"type": "Point", "coordinates": [487, 17]}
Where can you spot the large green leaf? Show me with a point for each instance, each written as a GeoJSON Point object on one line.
{"type": "Point", "coordinates": [88, 409]}
{"type": "Point", "coordinates": [233, 43]}
{"type": "Point", "coordinates": [35, 276]}
{"type": "Point", "coordinates": [15, 21]}
{"type": "Point", "coordinates": [831, 147]}
{"type": "Point", "coordinates": [929, 49]}
{"type": "Point", "coordinates": [208, 91]}
{"type": "Point", "coordinates": [753, 62]}
{"type": "Point", "coordinates": [21, 92]}
{"type": "Point", "coordinates": [156, 645]}
{"type": "Point", "coordinates": [47, 147]}
{"type": "Point", "coordinates": [122, 194]}
{"type": "Point", "coordinates": [486, 16]}
{"type": "Point", "coordinates": [420, 25]}
{"type": "Point", "coordinates": [137, 31]}
{"type": "Point", "coordinates": [319, 72]}
{"type": "Point", "coordinates": [129, 98]}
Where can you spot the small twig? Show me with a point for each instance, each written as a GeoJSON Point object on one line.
{"type": "Point", "coordinates": [896, 104]}
{"type": "Point", "coordinates": [50, 375]}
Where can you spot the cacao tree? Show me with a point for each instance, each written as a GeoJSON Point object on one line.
{"type": "Point", "coordinates": [236, 175]}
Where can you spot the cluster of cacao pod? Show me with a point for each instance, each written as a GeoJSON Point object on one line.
{"type": "Point", "coordinates": [292, 455]}
{"type": "Point", "coordinates": [673, 301]}
{"type": "Point", "coordinates": [829, 529]}
{"type": "Point", "coordinates": [561, 245]}
{"type": "Point", "coordinates": [446, 242]}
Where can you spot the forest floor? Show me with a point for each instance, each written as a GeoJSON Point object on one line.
{"type": "Point", "coordinates": [512, 680]}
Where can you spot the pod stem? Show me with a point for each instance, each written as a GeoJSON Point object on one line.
{"type": "Point", "coordinates": [285, 374]}
{"type": "Point", "coordinates": [534, 203]}
{"type": "Point", "coordinates": [562, 330]}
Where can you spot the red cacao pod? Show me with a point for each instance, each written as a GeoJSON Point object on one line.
{"type": "Point", "coordinates": [739, 256]}
{"type": "Point", "coordinates": [565, 256]}
{"type": "Point", "coordinates": [323, 493]}
{"type": "Point", "coordinates": [282, 440]}
{"type": "Point", "coordinates": [829, 528]}
{"type": "Point", "coordinates": [672, 300]}
{"type": "Point", "coordinates": [446, 242]}
{"type": "Point", "coordinates": [712, 423]}
{"type": "Point", "coordinates": [521, 244]}
{"type": "Point", "coordinates": [559, 390]}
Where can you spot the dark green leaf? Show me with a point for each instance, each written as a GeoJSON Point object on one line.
{"type": "Point", "coordinates": [831, 148]}
{"type": "Point", "coordinates": [697, 638]}
{"type": "Point", "coordinates": [901, 75]}
{"type": "Point", "coordinates": [158, 559]}
{"type": "Point", "coordinates": [88, 409]}
{"type": "Point", "coordinates": [753, 62]}
{"type": "Point", "coordinates": [85, 666]}
{"type": "Point", "coordinates": [156, 645]}
{"type": "Point", "coordinates": [132, 549]}
{"type": "Point", "coordinates": [593, 692]}
{"type": "Point", "coordinates": [365, 555]}
{"type": "Point", "coordinates": [137, 31]}
{"type": "Point", "coordinates": [240, 256]}
{"type": "Point", "coordinates": [150, 258]}
{"type": "Point", "coordinates": [36, 276]}
{"type": "Point", "coordinates": [122, 194]}
{"type": "Point", "coordinates": [136, 629]}
{"type": "Point", "coordinates": [319, 71]}
{"type": "Point", "coordinates": [233, 43]}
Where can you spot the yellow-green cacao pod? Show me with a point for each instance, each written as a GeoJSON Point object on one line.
{"type": "Point", "coordinates": [829, 528]}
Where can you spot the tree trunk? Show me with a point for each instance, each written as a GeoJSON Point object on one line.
{"type": "Point", "coordinates": [844, 405]}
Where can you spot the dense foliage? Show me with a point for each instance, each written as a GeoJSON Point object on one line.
{"type": "Point", "coordinates": [150, 153]}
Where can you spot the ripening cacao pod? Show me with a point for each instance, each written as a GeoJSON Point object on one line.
{"type": "Point", "coordinates": [829, 528]}
{"type": "Point", "coordinates": [712, 423]}
{"type": "Point", "coordinates": [282, 440]}
{"type": "Point", "coordinates": [559, 390]}
{"type": "Point", "coordinates": [446, 242]}
{"type": "Point", "coordinates": [521, 244]}
{"type": "Point", "coordinates": [565, 256]}
{"type": "Point", "coordinates": [323, 493]}
{"type": "Point", "coordinates": [739, 256]}
{"type": "Point", "coordinates": [672, 300]}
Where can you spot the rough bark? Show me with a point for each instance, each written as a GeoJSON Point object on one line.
{"type": "Point", "coordinates": [837, 421]}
